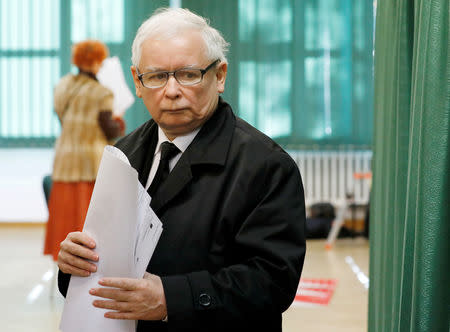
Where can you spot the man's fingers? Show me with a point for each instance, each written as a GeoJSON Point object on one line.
{"type": "Point", "coordinates": [113, 305]}
{"type": "Point", "coordinates": [78, 250]}
{"type": "Point", "coordinates": [131, 298]}
{"type": "Point", "coordinates": [69, 269]}
{"type": "Point", "coordinates": [121, 315]}
{"type": "Point", "coordinates": [75, 261]}
{"type": "Point", "coordinates": [75, 253]}
{"type": "Point", "coordinates": [82, 238]}
{"type": "Point", "coordinates": [112, 293]}
{"type": "Point", "coordinates": [122, 283]}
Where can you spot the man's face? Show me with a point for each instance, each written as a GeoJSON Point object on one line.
{"type": "Point", "coordinates": [179, 109]}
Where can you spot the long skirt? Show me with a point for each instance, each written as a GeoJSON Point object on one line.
{"type": "Point", "coordinates": [67, 208]}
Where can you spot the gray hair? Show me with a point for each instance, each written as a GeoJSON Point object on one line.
{"type": "Point", "coordinates": [166, 23]}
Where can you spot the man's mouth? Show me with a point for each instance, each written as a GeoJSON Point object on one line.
{"type": "Point", "coordinates": [174, 110]}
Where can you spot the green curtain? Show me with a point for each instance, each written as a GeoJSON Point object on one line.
{"type": "Point", "coordinates": [35, 46]}
{"type": "Point", "coordinates": [119, 38]}
{"type": "Point", "coordinates": [223, 15]}
{"type": "Point", "coordinates": [300, 71]}
{"type": "Point", "coordinates": [136, 12]}
{"type": "Point", "coordinates": [410, 217]}
{"type": "Point", "coordinates": [82, 19]}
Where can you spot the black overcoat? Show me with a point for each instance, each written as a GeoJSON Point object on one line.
{"type": "Point", "coordinates": [233, 242]}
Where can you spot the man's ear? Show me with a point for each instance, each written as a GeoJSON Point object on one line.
{"type": "Point", "coordinates": [137, 83]}
{"type": "Point", "coordinates": [221, 76]}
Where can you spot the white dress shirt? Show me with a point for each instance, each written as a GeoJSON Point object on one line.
{"type": "Point", "coordinates": [181, 142]}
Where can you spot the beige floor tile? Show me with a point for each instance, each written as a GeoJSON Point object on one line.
{"type": "Point", "coordinates": [347, 310]}
{"type": "Point", "coordinates": [30, 302]}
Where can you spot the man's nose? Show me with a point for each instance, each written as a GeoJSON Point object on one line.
{"type": "Point", "coordinates": [172, 87]}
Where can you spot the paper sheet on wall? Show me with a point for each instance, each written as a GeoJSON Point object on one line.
{"type": "Point", "coordinates": [111, 75]}
{"type": "Point", "coordinates": [126, 231]}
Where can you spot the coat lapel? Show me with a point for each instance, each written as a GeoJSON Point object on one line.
{"type": "Point", "coordinates": [179, 178]}
{"type": "Point", "coordinates": [140, 155]}
{"type": "Point", "coordinates": [210, 147]}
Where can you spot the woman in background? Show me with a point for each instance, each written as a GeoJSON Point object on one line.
{"type": "Point", "coordinates": [84, 108]}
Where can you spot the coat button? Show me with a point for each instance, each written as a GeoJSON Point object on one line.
{"type": "Point", "coordinates": [204, 300]}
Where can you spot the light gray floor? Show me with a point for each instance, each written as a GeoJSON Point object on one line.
{"type": "Point", "coordinates": [30, 302]}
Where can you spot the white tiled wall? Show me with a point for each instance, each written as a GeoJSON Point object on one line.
{"type": "Point", "coordinates": [21, 194]}
{"type": "Point", "coordinates": [327, 176]}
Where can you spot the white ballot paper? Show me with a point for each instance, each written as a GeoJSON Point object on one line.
{"type": "Point", "coordinates": [111, 76]}
{"type": "Point", "coordinates": [126, 231]}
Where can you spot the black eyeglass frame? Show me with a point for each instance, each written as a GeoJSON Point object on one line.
{"type": "Point", "coordinates": [168, 73]}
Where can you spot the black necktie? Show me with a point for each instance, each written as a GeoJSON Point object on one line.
{"type": "Point", "coordinates": [168, 151]}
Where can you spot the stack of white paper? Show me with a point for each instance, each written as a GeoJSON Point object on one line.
{"type": "Point", "coordinates": [126, 231]}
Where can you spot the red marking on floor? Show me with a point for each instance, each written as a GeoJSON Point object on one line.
{"type": "Point", "coordinates": [315, 291]}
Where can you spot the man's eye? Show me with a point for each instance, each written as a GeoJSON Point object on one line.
{"type": "Point", "coordinates": [160, 76]}
{"type": "Point", "coordinates": [186, 74]}
{"type": "Point", "coordinates": [156, 76]}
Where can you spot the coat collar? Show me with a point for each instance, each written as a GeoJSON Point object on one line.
{"type": "Point", "coordinates": [211, 144]}
{"type": "Point", "coordinates": [210, 147]}
{"type": "Point", "coordinates": [141, 149]}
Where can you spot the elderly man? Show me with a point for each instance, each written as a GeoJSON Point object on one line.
{"type": "Point", "coordinates": [230, 199]}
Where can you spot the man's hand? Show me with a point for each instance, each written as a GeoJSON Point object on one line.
{"type": "Point", "coordinates": [74, 253]}
{"type": "Point", "coordinates": [137, 299]}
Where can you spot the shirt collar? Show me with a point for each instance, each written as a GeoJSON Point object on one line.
{"type": "Point", "coordinates": [181, 142]}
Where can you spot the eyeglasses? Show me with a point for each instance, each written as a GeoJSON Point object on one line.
{"type": "Point", "coordinates": [184, 76]}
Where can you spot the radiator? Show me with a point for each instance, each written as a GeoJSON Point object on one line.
{"type": "Point", "coordinates": [328, 176]}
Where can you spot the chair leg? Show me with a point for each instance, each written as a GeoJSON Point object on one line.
{"type": "Point", "coordinates": [336, 227]}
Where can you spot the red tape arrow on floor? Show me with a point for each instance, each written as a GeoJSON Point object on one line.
{"type": "Point", "coordinates": [315, 291]}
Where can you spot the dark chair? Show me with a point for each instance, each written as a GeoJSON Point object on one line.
{"type": "Point", "coordinates": [47, 185]}
{"type": "Point", "coordinates": [318, 224]}
{"type": "Point", "coordinates": [322, 210]}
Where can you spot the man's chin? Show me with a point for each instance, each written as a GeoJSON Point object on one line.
{"type": "Point", "coordinates": [178, 128]}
